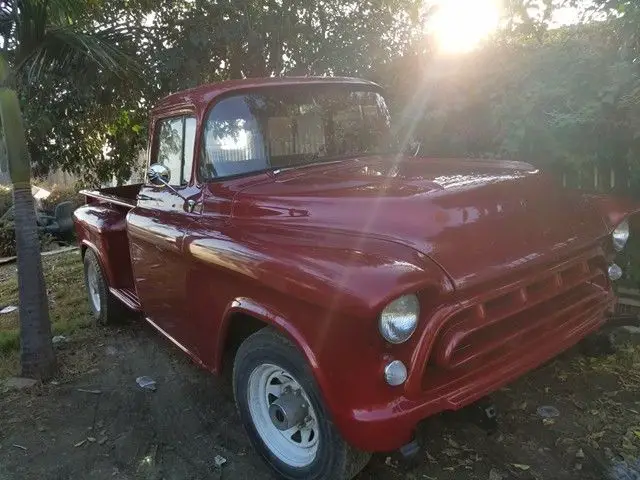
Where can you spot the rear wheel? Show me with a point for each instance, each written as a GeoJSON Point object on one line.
{"type": "Point", "coordinates": [282, 410]}
{"type": "Point", "coordinates": [104, 307]}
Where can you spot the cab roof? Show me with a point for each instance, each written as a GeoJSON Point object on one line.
{"type": "Point", "coordinates": [202, 95]}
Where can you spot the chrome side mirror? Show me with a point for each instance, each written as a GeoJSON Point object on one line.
{"type": "Point", "coordinates": [158, 175]}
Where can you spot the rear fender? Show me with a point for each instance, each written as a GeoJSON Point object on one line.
{"type": "Point", "coordinates": [104, 231]}
{"type": "Point", "coordinates": [104, 264]}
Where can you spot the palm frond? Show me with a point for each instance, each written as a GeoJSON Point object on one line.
{"type": "Point", "coordinates": [66, 50]}
{"type": "Point", "coordinates": [64, 12]}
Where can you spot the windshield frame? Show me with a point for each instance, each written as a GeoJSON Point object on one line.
{"type": "Point", "coordinates": [364, 87]}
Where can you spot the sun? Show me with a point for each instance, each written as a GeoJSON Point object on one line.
{"type": "Point", "coordinates": [459, 26]}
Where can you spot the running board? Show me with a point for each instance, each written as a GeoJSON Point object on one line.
{"type": "Point", "coordinates": [128, 297]}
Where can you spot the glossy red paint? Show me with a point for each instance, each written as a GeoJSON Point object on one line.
{"type": "Point", "coordinates": [510, 269]}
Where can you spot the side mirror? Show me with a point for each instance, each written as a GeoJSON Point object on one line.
{"type": "Point", "coordinates": [158, 175]}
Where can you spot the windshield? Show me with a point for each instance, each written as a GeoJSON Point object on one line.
{"type": "Point", "coordinates": [286, 127]}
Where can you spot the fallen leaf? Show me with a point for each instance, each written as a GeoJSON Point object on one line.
{"type": "Point", "coordinates": [636, 433]}
{"type": "Point", "coordinates": [80, 443]}
{"type": "Point", "coordinates": [521, 466]}
{"type": "Point", "coordinates": [453, 443]}
{"type": "Point", "coordinates": [495, 475]}
{"type": "Point", "coordinates": [91, 439]}
{"type": "Point", "coordinates": [548, 421]}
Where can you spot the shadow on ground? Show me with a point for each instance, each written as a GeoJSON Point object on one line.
{"type": "Point", "coordinates": [97, 423]}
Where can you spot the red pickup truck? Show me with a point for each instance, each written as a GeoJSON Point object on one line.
{"type": "Point", "coordinates": [353, 291]}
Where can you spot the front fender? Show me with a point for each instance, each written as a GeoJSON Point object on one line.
{"type": "Point", "coordinates": [322, 290]}
{"type": "Point", "coordinates": [267, 314]}
{"type": "Point", "coordinates": [613, 210]}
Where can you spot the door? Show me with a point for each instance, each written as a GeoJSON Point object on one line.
{"type": "Point", "coordinates": [157, 226]}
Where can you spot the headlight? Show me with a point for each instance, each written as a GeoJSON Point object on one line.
{"type": "Point", "coordinates": [621, 235]}
{"type": "Point", "coordinates": [399, 319]}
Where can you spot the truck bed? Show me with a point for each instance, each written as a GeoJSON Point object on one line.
{"type": "Point", "coordinates": [124, 196]}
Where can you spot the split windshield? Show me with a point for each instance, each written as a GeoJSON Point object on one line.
{"type": "Point", "coordinates": [287, 127]}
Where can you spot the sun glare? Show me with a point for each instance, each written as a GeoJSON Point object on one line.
{"type": "Point", "coordinates": [460, 25]}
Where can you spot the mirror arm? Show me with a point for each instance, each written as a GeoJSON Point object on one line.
{"type": "Point", "coordinates": [190, 203]}
{"type": "Point", "coordinates": [166, 184]}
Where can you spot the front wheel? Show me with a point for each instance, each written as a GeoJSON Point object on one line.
{"type": "Point", "coordinates": [282, 410]}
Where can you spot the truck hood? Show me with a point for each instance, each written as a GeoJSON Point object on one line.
{"type": "Point", "coordinates": [475, 218]}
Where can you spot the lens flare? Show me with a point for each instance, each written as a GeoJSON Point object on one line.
{"type": "Point", "coordinates": [459, 26]}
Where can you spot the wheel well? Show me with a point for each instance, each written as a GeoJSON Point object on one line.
{"type": "Point", "coordinates": [241, 326]}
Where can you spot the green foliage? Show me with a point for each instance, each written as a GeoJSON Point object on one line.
{"type": "Point", "coordinates": [6, 200]}
{"type": "Point", "coordinates": [66, 65]}
{"type": "Point", "coordinates": [95, 125]}
{"type": "Point", "coordinates": [558, 98]}
{"type": "Point", "coordinates": [7, 239]}
{"type": "Point", "coordinates": [59, 195]}
{"type": "Point", "coordinates": [566, 104]}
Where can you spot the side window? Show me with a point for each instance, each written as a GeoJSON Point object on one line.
{"type": "Point", "coordinates": [176, 139]}
{"type": "Point", "coordinates": [189, 145]}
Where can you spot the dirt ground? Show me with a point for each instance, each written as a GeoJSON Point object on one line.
{"type": "Point", "coordinates": [99, 424]}
{"type": "Point", "coordinates": [94, 422]}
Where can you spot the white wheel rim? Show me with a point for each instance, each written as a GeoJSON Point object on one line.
{"type": "Point", "coordinates": [297, 446]}
{"type": "Point", "coordinates": [92, 285]}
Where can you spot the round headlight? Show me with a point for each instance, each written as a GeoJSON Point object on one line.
{"type": "Point", "coordinates": [621, 235]}
{"type": "Point", "coordinates": [399, 319]}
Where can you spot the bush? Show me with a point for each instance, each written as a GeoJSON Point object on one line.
{"type": "Point", "coordinates": [8, 240]}
{"type": "Point", "coordinates": [6, 199]}
{"type": "Point", "coordinates": [59, 195]}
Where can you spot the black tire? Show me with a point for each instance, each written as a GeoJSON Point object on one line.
{"type": "Point", "coordinates": [110, 309]}
{"type": "Point", "coordinates": [335, 459]}
{"type": "Point", "coordinates": [598, 344]}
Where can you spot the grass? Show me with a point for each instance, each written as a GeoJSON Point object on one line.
{"type": "Point", "coordinates": [68, 307]}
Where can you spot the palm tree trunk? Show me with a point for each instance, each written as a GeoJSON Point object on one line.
{"type": "Point", "coordinates": [36, 350]}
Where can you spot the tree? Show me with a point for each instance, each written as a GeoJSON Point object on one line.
{"type": "Point", "coordinates": [41, 38]}
{"type": "Point", "coordinates": [36, 350]}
